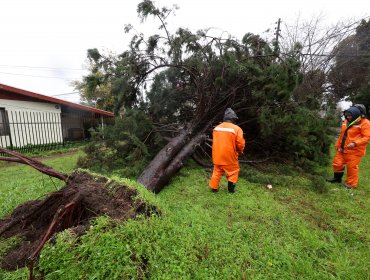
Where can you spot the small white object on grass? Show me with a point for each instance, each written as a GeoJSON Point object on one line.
{"type": "Point", "coordinates": [269, 186]}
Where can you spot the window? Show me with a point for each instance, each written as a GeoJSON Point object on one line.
{"type": "Point", "coordinates": [4, 131]}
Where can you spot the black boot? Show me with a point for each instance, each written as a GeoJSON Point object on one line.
{"type": "Point", "coordinates": [231, 187]}
{"type": "Point", "coordinates": [337, 178]}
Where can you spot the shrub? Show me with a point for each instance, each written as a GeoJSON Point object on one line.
{"type": "Point", "coordinates": [123, 148]}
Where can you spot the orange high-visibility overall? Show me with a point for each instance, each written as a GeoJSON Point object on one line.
{"type": "Point", "coordinates": [228, 143]}
{"type": "Point", "coordinates": [359, 134]}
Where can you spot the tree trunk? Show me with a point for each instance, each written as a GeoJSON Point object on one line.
{"type": "Point", "coordinates": [170, 159]}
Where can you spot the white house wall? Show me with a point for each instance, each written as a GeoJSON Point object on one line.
{"type": "Point", "coordinates": [32, 123]}
{"type": "Point", "coordinates": [4, 141]}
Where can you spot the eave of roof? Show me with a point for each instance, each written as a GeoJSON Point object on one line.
{"type": "Point", "coordinates": [54, 100]}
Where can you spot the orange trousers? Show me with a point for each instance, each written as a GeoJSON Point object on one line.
{"type": "Point", "coordinates": [352, 162]}
{"type": "Point", "coordinates": [232, 173]}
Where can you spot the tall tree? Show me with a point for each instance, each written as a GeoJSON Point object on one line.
{"type": "Point", "coordinates": [314, 46]}
{"type": "Point", "coordinates": [350, 75]}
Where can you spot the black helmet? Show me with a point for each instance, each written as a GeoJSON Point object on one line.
{"type": "Point", "coordinates": [361, 107]}
{"type": "Point", "coordinates": [230, 115]}
{"type": "Point", "coordinates": [354, 111]}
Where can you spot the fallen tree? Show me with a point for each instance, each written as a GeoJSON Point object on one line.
{"type": "Point", "coordinates": [184, 81]}
{"type": "Point", "coordinates": [195, 78]}
{"type": "Point", "coordinates": [171, 158]}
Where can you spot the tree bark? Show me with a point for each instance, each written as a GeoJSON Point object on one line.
{"type": "Point", "coordinates": [155, 179]}
{"type": "Point", "coordinates": [171, 158]}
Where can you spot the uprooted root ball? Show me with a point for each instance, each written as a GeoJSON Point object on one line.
{"type": "Point", "coordinates": [82, 198]}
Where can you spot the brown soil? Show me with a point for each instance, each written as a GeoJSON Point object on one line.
{"type": "Point", "coordinates": [81, 199]}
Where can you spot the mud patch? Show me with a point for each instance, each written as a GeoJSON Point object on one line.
{"type": "Point", "coordinates": [81, 199]}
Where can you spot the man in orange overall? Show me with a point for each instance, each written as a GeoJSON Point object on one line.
{"type": "Point", "coordinates": [351, 146]}
{"type": "Point", "coordinates": [228, 143]}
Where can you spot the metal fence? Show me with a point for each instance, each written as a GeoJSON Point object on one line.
{"type": "Point", "coordinates": [29, 130]}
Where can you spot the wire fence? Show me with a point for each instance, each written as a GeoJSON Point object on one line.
{"type": "Point", "coordinates": [25, 131]}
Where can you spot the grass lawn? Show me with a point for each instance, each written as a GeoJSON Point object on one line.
{"type": "Point", "coordinates": [287, 232]}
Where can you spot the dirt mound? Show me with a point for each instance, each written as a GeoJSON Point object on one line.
{"type": "Point", "coordinates": [82, 198]}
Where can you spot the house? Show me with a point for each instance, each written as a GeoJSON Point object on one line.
{"type": "Point", "coordinates": [28, 119]}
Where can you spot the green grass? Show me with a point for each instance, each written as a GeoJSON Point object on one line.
{"type": "Point", "coordinates": [289, 232]}
{"type": "Point", "coordinates": [50, 149]}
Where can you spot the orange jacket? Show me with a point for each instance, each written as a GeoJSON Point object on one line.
{"type": "Point", "coordinates": [358, 133]}
{"type": "Point", "coordinates": [228, 143]}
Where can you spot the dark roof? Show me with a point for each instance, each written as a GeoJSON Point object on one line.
{"type": "Point", "coordinates": [54, 100]}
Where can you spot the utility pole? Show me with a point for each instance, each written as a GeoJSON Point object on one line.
{"type": "Point", "coordinates": [277, 33]}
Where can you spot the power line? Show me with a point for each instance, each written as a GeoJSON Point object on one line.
{"type": "Point", "coordinates": [40, 67]}
{"type": "Point", "coordinates": [36, 76]}
{"type": "Point", "coordinates": [327, 55]}
{"type": "Point", "coordinates": [65, 93]}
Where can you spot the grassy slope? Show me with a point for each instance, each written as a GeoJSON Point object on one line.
{"type": "Point", "coordinates": [288, 232]}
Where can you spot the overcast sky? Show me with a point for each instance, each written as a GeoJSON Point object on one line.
{"type": "Point", "coordinates": [43, 43]}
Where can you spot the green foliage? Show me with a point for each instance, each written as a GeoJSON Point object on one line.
{"type": "Point", "coordinates": [170, 101]}
{"type": "Point", "coordinates": [123, 147]}
{"type": "Point", "coordinates": [298, 132]}
{"type": "Point", "coordinates": [286, 127]}
{"type": "Point", "coordinates": [193, 78]}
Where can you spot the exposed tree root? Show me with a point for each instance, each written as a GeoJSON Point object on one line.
{"type": "Point", "coordinates": [82, 198]}
{"type": "Point", "coordinates": [16, 157]}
